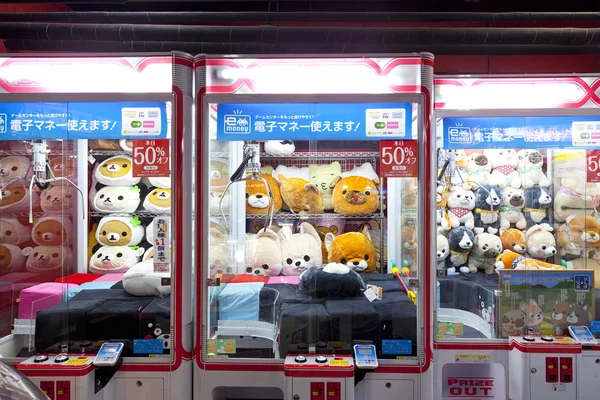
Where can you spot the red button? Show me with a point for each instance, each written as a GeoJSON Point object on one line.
{"type": "Point", "coordinates": [338, 358]}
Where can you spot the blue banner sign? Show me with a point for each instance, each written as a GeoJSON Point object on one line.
{"type": "Point", "coordinates": [521, 132]}
{"type": "Point", "coordinates": [82, 120]}
{"type": "Point", "coordinates": [312, 121]}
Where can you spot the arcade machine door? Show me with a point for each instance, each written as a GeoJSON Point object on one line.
{"type": "Point", "coordinates": [519, 216]}
{"type": "Point", "coordinates": [85, 232]}
{"type": "Point", "coordinates": [315, 237]}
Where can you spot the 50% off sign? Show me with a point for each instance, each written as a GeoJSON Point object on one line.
{"type": "Point", "coordinates": [151, 158]}
{"type": "Point", "coordinates": [593, 165]}
{"type": "Point", "coordinates": [398, 158]}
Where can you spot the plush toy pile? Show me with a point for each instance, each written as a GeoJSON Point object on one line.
{"type": "Point", "coordinates": [43, 246]}
{"type": "Point", "coordinates": [490, 203]}
{"type": "Point", "coordinates": [313, 195]}
{"type": "Point", "coordinates": [123, 233]}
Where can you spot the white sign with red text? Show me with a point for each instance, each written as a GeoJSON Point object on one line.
{"type": "Point", "coordinates": [473, 381]}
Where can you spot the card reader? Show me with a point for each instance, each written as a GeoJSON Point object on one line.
{"type": "Point", "coordinates": [365, 356]}
{"type": "Point", "coordinates": [108, 355]}
{"type": "Point", "coordinates": [583, 335]}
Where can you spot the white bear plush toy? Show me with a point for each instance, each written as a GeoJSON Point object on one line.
{"type": "Point", "coordinates": [504, 168]}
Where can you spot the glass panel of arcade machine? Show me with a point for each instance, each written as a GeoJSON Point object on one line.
{"type": "Point", "coordinates": [79, 262]}
{"type": "Point", "coordinates": [320, 274]}
{"type": "Point", "coordinates": [518, 228]}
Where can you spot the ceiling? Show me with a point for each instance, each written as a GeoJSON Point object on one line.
{"type": "Point", "coordinates": [338, 5]}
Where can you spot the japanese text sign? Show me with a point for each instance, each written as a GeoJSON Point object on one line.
{"type": "Point", "coordinates": [82, 120]}
{"type": "Point", "coordinates": [521, 132]}
{"type": "Point", "coordinates": [151, 158]}
{"type": "Point", "coordinates": [398, 158]}
{"type": "Point", "coordinates": [162, 244]}
{"type": "Point", "coordinates": [311, 121]}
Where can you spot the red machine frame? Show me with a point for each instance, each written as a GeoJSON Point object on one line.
{"type": "Point", "coordinates": [206, 83]}
{"type": "Point", "coordinates": [24, 74]}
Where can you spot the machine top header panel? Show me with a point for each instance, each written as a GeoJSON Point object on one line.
{"type": "Point", "coordinates": [517, 92]}
{"type": "Point", "coordinates": [77, 74]}
{"type": "Point", "coordinates": [316, 75]}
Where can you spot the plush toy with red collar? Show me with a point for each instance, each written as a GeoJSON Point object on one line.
{"type": "Point", "coordinates": [504, 168]}
{"type": "Point", "coordinates": [461, 203]}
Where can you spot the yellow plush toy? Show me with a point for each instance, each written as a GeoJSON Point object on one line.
{"type": "Point", "coordinates": [323, 176]}
{"type": "Point", "coordinates": [355, 195]}
{"type": "Point", "coordinates": [257, 197]}
{"type": "Point", "coordinates": [512, 260]}
{"type": "Point", "coordinates": [353, 249]}
{"type": "Point", "coordinates": [92, 242]}
{"type": "Point", "coordinates": [301, 196]}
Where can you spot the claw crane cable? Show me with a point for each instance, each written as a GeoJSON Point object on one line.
{"type": "Point", "coordinates": [42, 175]}
{"type": "Point", "coordinates": [251, 160]}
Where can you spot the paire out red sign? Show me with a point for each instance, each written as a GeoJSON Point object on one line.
{"type": "Point", "coordinates": [473, 381]}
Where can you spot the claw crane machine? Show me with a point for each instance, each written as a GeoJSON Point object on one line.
{"type": "Point", "coordinates": [94, 151]}
{"type": "Point", "coordinates": [313, 227]}
{"type": "Point", "coordinates": [518, 233]}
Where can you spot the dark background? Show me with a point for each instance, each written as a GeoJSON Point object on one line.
{"type": "Point", "coordinates": [461, 59]}
{"type": "Point", "coordinates": [358, 6]}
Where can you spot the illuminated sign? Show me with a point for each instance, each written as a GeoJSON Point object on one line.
{"type": "Point", "coordinates": [517, 93]}
{"type": "Point", "coordinates": [315, 75]}
{"type": "Point", "coordinates": [82, 120]}
{"type": "Point", "coordinates": [521, 132]}
{"type": "Point", "coordinates": [323, 121]}
{"type": "Point", "coordinates": [86, 74]}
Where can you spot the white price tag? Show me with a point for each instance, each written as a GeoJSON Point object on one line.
{"type": "Point", "coordinates": [370, 295]}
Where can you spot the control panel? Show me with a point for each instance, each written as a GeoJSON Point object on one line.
{"type": "Point", "coordinates": [583, 335]}
{"type": "Point", "coordinates": [109, 354]}
{"type": "Point", "coordinates": [527, 341]}
{"type": "Point", "coordinates": [78, 371]}
{"type": "Point", "coordinates": [70, 360]}
{"type": "Point", "coordinates": [315, 360]}
{"type": "Point", "coordinates": [365, 356]}
{"type": "Point", "coordinates": [319, 376]}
